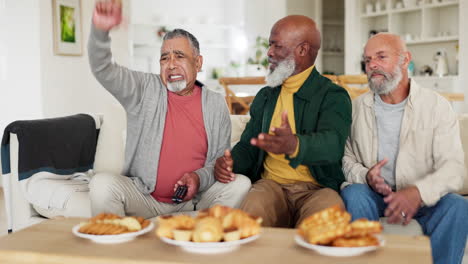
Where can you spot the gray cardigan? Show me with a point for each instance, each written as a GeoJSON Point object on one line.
{"type": "Point", "coordinates": [144, 98]}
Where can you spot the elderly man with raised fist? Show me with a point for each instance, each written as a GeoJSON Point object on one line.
{"type": "Point", "coordinates": [176, 128]}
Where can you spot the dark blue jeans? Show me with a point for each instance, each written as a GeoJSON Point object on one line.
{"type": "Point", "coordinates": [445, 222]}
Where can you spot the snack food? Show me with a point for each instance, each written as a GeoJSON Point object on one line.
{"type": "Point", "coordinates": [111, 224]}
{"type": "Point", "coordinates": [167, 224]}
{"type": "Point", "coordinates": [215, 224]}
{"type": "Point", "coordinates": [332, 227]}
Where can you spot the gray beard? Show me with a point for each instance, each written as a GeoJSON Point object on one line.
{"type": "Point", "coordinates": [282, 72]}
{"type": "Point", "coordinates": [176, 86]}
{"type": "Point", "coordinates": [388, 84]}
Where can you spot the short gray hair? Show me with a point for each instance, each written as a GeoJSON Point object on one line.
{"type": "Point", "coordinates": [181, 33]}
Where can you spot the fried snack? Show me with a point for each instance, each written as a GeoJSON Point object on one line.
{"type": "Point", "coordinates": [208, 229]}
{"type": "Point", "coordinates": [143, 222]}
{"type": "Point", "coordinates": [111, 224]}
{"type": "Point", "coordinates": [231, 234]}
{"type": "Point", "coordinates": [333, 215]}
{"type": "Point", "coordinates": [325, 234]}
{"type": "Point", "coordinates": [332, 226]}
{"type": "Point", "coordinates": [218, 211]}
{"type": "Point", "coordinates": [102, 229]}
{"type": "Point", "coordinates": [167, 224]}
{"type": "Point", "coordinates": [323, 222]}
{"type": "Point", "coordinates": [130, 223]}
{"type": "Point", "coordinates": [363, 241]}
{"type": "Point", "coordinates": [363, 227]}
{"type": "Point", "coordinates": [103, 216]}
{"type": "Point", "coordinates": [238, 219]}
{"type": "Point", "coordinates": [182, 235]}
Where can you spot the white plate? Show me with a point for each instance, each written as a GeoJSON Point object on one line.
{"type": "Point", "coordinates": [210, 247]}
{"type": "Point", "coordinates": [111, 239]}
{"type": "Point", "coordinates": [338, 251]}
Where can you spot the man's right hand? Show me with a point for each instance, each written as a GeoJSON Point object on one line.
{"type": "Point", "coordinates": [223, 168]}
{"type": "Point", "coordinates": [375, 181]}
{"type": "Point", "coordinates": [107, 15]}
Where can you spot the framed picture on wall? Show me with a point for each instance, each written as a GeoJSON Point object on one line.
{"type": "Point", "coordinates": [67, 27]}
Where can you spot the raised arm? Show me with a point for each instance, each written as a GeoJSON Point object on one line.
{"type": "Point", "coordinates": [125, 85]}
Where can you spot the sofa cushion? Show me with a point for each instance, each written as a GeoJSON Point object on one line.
{"type": "Point", "coordinates": [412, 229]}
{"type": "Point", "coordinates": [238, 123]}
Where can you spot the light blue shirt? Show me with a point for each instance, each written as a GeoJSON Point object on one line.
{"type": "Point", "coordinates": [388, 118]}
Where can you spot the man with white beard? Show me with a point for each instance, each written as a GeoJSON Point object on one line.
{"type": "Point", "coordinates": [176, 128]}
{"type": "Point", "coordinates": [404, 156]}
{"type": "Point", "coordinates": [293, 144]}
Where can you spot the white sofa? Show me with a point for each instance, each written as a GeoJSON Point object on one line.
{"type": "Point", "coordinates": [109, 157]}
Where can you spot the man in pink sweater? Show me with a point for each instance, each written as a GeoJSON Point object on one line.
{"type": "Point", "coordinates": [176, 128]}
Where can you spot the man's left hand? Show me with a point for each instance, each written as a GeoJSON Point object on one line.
{"type": "Point", "coordinates": [283, 141]}
{"type": "Point", "coordinates": [402, 205]}
{"type": "Point", "coordinates": [192, 180]}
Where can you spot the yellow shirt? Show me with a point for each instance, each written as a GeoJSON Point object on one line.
{"type": "Point", "coordinates": [277, 166]}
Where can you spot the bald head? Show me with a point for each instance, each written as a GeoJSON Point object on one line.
{"type": "Point", "coordinates": [392, 41]}
{"type": "Point", "coordinates": [294, 37]}
{"type": "Point", "coordinates": [300, 28]}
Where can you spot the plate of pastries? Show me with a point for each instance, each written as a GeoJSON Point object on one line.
{"type": "Point", "coordinates": [111, 228]}
{"type": "Point", "coordinates": [217, 229]}
{"type": "Point", "coordinates": [330, 232]}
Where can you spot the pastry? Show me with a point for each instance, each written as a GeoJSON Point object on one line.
{"type": "Point", "coordinates": [182, 234]}
{"type": "Point", "coordinates": [208, 229]}
{"type": "Point", "coordinates": [363, 241]}
{"type": "Point", "coordinates": [169, 223]}
{"type": "Point", "coordinates": [231, 234]}
{"type": "Point", "coordinates": [364, 227]}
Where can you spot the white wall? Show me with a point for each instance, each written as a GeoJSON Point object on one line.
{"type": "Point", "coordinates": [261, 15]}
{"type": "Point", "coordinates": [68, 86]}
{"type": "Point", "coordinates": [463, 53]}
{"type": "Point", "coordinates": [312, 9]}
{"type": "Point", "coordinates": [20, 94]}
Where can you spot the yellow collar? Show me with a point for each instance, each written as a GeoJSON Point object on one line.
{"type": "Point", "coordinates": [293, 83]}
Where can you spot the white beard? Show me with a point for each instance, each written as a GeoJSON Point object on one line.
{"type": "Point", "coordinates": [176, 86]}
{"type": "Point", "coordinates": [388, 84]}
{"type": "Point", "coordinates": [283, 70]}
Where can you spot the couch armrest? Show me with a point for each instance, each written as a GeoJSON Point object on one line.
{"type": "Point", "coordinates": [19, 211]}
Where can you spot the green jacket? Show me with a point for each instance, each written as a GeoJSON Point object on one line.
{"type": "Point", "coordinates": [322, 112]}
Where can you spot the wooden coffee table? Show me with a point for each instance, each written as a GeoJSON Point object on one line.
{"type": "Point", "coordinates": [52, 241]}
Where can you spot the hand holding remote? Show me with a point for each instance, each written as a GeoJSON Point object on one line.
{"type": "Point", "coordinates": [192, 183]}
{"type": "Point", "coordinates": [179, 194]}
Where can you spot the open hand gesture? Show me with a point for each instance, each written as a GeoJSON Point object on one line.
{"type": "Point", "coordinates": [375, 180]}
{"type": "Point", "coordinates": [283, 141]}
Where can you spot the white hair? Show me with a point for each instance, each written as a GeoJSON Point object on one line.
{"type": "Point", "coordinates": [283, 71]}
{"type": "Point", "coordinates": [176, 86]}
{"type": "Point", "coordinates": [390, 81]}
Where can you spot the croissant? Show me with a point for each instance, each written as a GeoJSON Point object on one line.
{"type": "Point", "coordinates": [167, 224]}
{"type": "Point", "coordinates": [208, 229]}
{"type": "Point", "coordinates": [238, 219]}
{"type": "Point", "coordinates": [218, 211]}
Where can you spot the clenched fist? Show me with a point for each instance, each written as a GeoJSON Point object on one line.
{"type": "Point", "coordinates": [107, 15]}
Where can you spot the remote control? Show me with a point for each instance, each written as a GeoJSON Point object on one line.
{"type": "Point", "coordinates": [179, 194]}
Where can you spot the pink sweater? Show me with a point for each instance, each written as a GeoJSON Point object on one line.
{"type": "Point", "coordinates": [184, 145]}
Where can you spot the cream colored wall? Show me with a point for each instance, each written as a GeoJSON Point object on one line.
{"type": "Point", "coordinates": [20, 90]}
{"type": "Point", "coordinates": [68, 86]}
